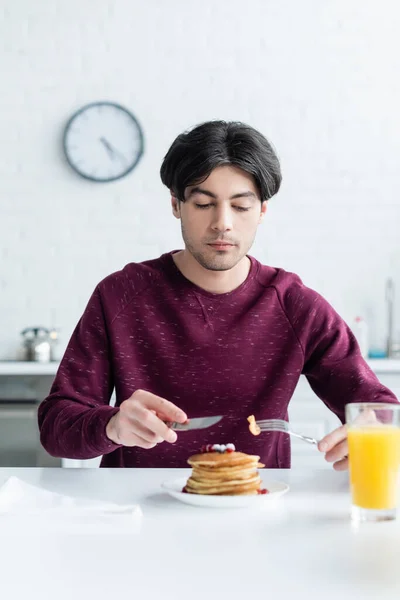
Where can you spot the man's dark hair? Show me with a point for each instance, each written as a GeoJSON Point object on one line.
{"type": "Point", "coordinates": [194, 154]}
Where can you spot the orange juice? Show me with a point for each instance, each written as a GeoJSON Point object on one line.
{"type": "Point", "coordinates": [374, 457]}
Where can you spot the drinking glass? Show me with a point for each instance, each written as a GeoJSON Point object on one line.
{"type": "Point", "coordinates": [373, 431]}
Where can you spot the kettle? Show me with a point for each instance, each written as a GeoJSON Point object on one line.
{"type": "Point", "coordinates": [38, 342]}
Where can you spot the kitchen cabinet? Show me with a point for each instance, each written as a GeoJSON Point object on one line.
{"type": "Point", "coordinates": [22, 386]}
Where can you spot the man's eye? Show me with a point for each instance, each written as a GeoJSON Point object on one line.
{"type": "Point", "coordinates": [241, 208]}
{"type": "Point", "coordinates": [203, 205]}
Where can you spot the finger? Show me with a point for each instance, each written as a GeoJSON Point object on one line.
{"type": "Point", "coordinates": [131, 439]}
{"type": "Point", "coordinates": [145, 433]}
{"type": "Point", "coordinates": [341, 465]}
{"type": "Point", "coordinates": [143, 443]}
{"type": "Point", "coordinates": [165, 409]}
{"type": "Point", "coordinates": [133, 418]}
{"type": "Point", "coordinates": [333, 438]}
{"type": "Point", "coordinates": [337, 452]}
{"type": "Point", "coordinates": [138, 415]}
{"type": "Point", "coordinates": [366, 417]}
{"type": "Point", "coordinates": [152, 422]}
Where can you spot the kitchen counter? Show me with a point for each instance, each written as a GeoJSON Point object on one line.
{"type": "Point", "coordinates": [380, 365]}
{"type": "Point", "coordinates": [303, 547]}
{"type": "Point", "coordinates": [19, 367]}
{"type": "Point", "coordinates": [385, 365]}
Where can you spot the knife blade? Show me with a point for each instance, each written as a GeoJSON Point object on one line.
{"type": "Point", "coordinates": [198, 423]}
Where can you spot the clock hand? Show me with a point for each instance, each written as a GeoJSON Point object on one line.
{"type": "Point", "coordinates": [111, 151]}
{"type": "Point", "coordinates": [108, 147]}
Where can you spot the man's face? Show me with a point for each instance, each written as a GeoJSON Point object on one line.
{"type": "Point", "coordinates": [219, 217]}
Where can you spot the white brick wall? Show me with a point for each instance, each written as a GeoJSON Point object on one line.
{"type": "Point", "coordinates": [320, 79]}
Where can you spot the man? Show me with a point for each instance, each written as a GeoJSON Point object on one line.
{"type": "Point", "coordinates": [203, 331]}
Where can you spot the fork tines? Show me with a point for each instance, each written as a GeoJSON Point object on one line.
{"type": "Point", "coordinates": [272, 424]}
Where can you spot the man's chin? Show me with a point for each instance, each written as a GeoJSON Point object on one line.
{"type": "Point", "coordinates": [217, 267]}
{"type": "Point", "coordinates": [218, 263]}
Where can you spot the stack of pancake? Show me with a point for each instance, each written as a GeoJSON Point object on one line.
{"type": "Point", "coordinates": [227, 473]}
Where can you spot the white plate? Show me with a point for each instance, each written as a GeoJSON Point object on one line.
{"type": "Point", "coordinates": [276, 489]}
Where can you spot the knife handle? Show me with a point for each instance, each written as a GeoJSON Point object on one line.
{"type": "Point", "coordinates": [178, 426]}
{"type": "Point", "coordinates": [173, 425]}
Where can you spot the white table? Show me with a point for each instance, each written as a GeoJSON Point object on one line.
{"type": "Point", "coordinates": [305, 547]}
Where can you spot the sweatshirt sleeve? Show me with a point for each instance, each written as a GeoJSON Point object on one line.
{"type": "Point", "coordinates": [333, 364]}
{"type": "Point", "coordinates": [73, 418]}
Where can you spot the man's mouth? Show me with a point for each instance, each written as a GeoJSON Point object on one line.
{"type": "Point", "coordinates": [221, 245]}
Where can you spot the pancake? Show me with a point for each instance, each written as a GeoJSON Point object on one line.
{"type": "Point", "coordinates": [217, 460]}
{"type": "Point", "coordinates": [221, 474]}
{"type": "Point", "coordinates": [220, 470]}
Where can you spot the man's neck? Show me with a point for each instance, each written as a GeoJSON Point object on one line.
{"type": "Point", "coordinates": [216, 282]}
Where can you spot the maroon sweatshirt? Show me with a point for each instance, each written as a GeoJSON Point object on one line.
{"type": "Point", "coordinates": [235, 354]}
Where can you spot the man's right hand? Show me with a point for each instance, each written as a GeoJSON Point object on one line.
{"type": "Point", "coordinates": [140, 421]}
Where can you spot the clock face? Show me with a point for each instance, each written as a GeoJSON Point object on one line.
{"type": "Point", "coordinates": [103, 141]}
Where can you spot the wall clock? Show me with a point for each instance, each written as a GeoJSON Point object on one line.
{"type": "Point", "coordinates": [103, 141]}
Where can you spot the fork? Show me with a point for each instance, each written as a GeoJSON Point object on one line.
{"type": "Point", "coordinates": [280, 425]}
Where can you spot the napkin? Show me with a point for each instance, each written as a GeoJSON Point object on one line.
{"type": "Point", "coordinates": [50, 510]}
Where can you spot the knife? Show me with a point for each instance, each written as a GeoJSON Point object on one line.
{"type": "Point", "coordinates": [199, 423]}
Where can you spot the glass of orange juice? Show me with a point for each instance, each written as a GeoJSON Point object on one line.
{"type": "Point", "coordinates": [373, 431]}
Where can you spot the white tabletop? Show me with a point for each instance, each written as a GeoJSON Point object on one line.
{"type": "Point", "coordinates": [305, 547]}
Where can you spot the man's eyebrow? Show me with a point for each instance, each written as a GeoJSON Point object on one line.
{"type": "Point", "coordinates": [199, 190]}
{"type": "Point", "coordinates": [243, 195]}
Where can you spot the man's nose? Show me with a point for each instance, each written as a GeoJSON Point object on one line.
{"type": "Point", "coordinates": [222, 219]}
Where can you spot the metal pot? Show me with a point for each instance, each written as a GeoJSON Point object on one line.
{"type": "Point", "coordinates": [38, 342]}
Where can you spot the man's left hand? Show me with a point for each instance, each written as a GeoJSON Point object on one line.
{"type": "Point", "coordinates": [336, 449]}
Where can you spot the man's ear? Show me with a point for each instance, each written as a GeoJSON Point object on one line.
{"type": "Point", "coordinates": [176, 208]}
{"type": "Point", "coordinates": [264, 206]}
